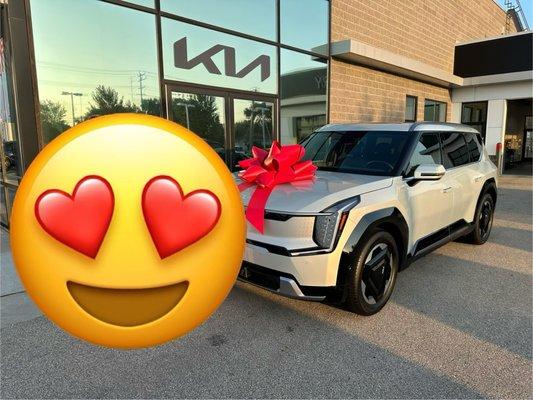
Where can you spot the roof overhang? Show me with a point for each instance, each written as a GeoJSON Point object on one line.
{"type": "Point", "coordinates": [364, 54]}
{"type": "Point", "coordinates": [499, 78]}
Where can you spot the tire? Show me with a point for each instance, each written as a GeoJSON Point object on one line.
{"type": "Point", "coordinates": [376, 257]}
{"type": "Point", "coordinates": [482, 221]}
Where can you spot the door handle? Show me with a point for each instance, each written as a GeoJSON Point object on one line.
{"type": "Point", "coordinates": [447, 190]}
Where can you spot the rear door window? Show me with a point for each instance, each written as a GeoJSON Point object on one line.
{"type": "Point", "coordinates": [454, 149]}
{"type": "Point", "coordinates": [474, 147]}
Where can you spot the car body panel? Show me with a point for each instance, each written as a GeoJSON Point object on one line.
{"type": "Point", "coordinates": [426, 207]}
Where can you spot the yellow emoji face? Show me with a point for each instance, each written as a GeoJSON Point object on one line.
{"type": "Point", "coordinates": [128, 230]}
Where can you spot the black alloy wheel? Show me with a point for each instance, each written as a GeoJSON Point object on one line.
{"type": "Point", "coordinates": [482, 220]}
{"type": "Point", "coordinates": [373, 275]}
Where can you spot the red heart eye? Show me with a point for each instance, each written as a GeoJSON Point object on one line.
{"type": "Point", "coordinates": [79, 221]}
{"type": "Point", "coordinates": [176, 221]}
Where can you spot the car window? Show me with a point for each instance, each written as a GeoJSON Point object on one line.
{"type": "Point", "coordinates": [474, 147]}
{"type": "Point", "coordinates": [360, 152]}
{"type": "Point", "coordinates": [454, 150]}
{"type": "Point", "coordinates": [427, 151]}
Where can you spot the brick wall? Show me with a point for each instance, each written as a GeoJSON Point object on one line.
{"type": "Point", "coordinates": [359, 94]}
{"type": "Point", "coordinates": [426, 31]}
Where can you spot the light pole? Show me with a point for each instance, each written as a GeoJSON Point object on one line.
{"type": "Point", "coordinates": [186, 105]}
{"type": "Point", "coordinates": [263, 109]}
{"type": "Point", "coordinates": [72, 94]}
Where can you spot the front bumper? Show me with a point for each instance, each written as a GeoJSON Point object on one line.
{"type": "Point", "coordinates": [281, 284]}
{"type": "Point", "coordinates": [308, 270]}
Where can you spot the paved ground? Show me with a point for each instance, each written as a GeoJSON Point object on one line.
{"type": "Point", "coordinates": [459, 325]}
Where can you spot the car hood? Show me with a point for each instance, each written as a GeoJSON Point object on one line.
{"type": "Point", "coordinates": [326, 189]}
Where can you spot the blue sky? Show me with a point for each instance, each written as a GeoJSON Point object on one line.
{"type": "Point", "coordinates": [527, 6]}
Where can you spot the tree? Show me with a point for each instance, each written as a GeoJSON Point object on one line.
{"type": "Point", "coordinates": [256, 127]}
{"type": "Point", "coordinates": [204, 118]}
{"type": "Point", "coordinates": [53, 120]}
{"type": "Point", "coordinates": [151, 106]}
{"type": "Point", "coordinates": [108, 101]}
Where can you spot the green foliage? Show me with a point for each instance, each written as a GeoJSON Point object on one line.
{"type": "Point", "coordinates": [53, 120]}
{"type": "Point", "coordinates": [204, 118]}
{"type": "Point", "coordinates": [107, 100]}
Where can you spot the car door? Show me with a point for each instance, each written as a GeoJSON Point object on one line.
{"type": "Point", "coordinates": [430, 202]}
{"type": "Point", "coordinates": [475, 174]}
{"type": "Point", "coordinates": [456, 159]}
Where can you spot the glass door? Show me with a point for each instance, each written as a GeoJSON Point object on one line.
{"type": "Point", "coordinates": [203, 114]}
{"type": "Point", "coordinates": [252, 125]}
{"type": "Point", "coordinates": [229, 122]}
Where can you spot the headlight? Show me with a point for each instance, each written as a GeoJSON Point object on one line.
{"type": "Point", "coordinates": [329, 226]}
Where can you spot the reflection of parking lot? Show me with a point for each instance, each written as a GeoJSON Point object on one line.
{"type": "Point", "coordinates": [458, 325]}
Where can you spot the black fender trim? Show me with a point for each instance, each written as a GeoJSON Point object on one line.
{"type": "Point", "coordinates": [392, 220]}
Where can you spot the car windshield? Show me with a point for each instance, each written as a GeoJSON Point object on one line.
{"type": "Point", "coordinates": [357, 152]}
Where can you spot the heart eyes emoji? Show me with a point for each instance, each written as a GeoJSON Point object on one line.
{"type": "Point", "coordinates": [81, 220]}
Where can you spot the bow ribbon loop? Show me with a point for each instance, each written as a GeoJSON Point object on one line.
{"type": "Point", "coordinates": [281, 164]}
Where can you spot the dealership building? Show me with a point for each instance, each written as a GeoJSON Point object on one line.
{"type": "Point", "coordinates": [240, 73]}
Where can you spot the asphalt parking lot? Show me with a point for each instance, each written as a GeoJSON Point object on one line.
{"type": "Point", "coordinates": [459, 325]}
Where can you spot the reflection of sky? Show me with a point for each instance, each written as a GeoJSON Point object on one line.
{"type": "Point", "coordinates": [93, 44]}
{"type": "Point", "coordinates": [256, 18]}
{"type": "Point", "coordinates": [82, 44]}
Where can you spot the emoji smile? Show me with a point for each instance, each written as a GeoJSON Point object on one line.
{"type": "Point", "coordinates": [127, 307]}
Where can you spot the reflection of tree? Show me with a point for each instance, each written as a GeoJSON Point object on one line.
{"type": "Point", "coordinates": [256, 129]}
{"type": "Point", "coordinates": [53, 120]}
{"type": "Point", "coordinates": [108, 101]}
{"type": "Point", "coordinates": [204, 117]}
{"type": "Point", "coordinates": [151, 106]}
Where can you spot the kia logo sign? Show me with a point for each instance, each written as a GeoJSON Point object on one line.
{"type": "Point", "coordinates": [181, 60]}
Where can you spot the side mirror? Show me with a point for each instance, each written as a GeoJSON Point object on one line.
{"type": "Point", "coordinates": [429, 172]}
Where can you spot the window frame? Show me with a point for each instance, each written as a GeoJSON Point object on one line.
{"type": "Point", "coordinates": [416, 108]}
{"type": "Point", "coordinates": [483, 123]}
{"type": "Point", "coordinates": [439, 102]}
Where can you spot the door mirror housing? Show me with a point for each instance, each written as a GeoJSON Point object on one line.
{"type": "Point", "coordinates": [429, 172]}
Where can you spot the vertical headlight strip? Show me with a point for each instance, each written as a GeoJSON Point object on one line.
{"type": "Point", "coordinates": [328, 227]}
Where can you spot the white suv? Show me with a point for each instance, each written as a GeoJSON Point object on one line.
{"type": "Point", "coordinates": [383, 195]}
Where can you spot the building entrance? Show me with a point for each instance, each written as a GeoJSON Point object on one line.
{"type": "Point", "coordinates": [230, 122]}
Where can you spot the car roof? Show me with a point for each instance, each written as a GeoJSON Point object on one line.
{"type": "Point", "coordinates": [403, 127]}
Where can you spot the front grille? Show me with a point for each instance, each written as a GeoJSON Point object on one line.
{"type": "Point", "coordinates": [257, 275]}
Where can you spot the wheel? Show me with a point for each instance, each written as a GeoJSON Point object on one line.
{"type": "Point", "coordinates": [373, 274]}
{"type": "Point", "coordinates": [482, 221]}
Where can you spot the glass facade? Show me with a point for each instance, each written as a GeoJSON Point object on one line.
{"type": "Point", "coordinates": [92, 58]}
{"type": "Point", "coordinates": [238, 73]}
{"type": "Point", "coordinates": [250, 17]}
{"type": "Point", "coordinates": [304, 24]}
{"type": "Point", "coordinates": [303, 95]}
{"type": "Point", "coordinates": [202, 56]}
{"type": "Point", "coordinates": [261, 67]}
{"type": "Point", "coordinates": [10, 155]}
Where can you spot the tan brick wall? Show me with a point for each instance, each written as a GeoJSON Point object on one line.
{"type": "Point", "coordinates": [424, 30]}
{"type": "Point", "coordinates": [359, 94]}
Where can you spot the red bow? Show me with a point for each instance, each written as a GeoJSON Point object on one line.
{"type": "Point", "coordinates": [266, 170]}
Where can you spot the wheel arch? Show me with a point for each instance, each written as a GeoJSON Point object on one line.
{"type": "Point", "coordinates": [489, 187]}
{"type": "Point", "coordinates": [390, 220]}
